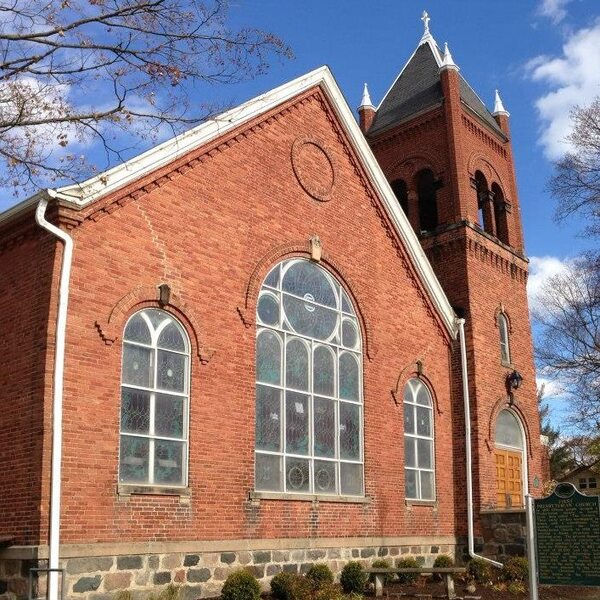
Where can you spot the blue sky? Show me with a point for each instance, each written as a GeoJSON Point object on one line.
{"type": "Point", "coordinates": [543, 55]}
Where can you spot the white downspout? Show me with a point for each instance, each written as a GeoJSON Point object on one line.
{"type": "Point", "coordinates": [57, 396]}
{"type": "Point", "coordinates": [465, 383]}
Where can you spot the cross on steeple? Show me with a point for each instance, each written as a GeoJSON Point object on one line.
{"type": "Point", "coordinates": [425, 18]}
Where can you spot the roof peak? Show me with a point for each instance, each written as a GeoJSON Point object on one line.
{"type": "Point", "coordinates": [426, 37]}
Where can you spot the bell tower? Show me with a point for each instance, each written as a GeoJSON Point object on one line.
{"type": "Point", "coordinates": [449, 161]}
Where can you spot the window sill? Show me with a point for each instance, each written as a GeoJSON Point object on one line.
{"type": "Point", "coordinates": [152, 490]}
{"type": "Point", "coordinates": [508, 365]}
{"type": "Point", "coordinates": [253, 495]}
{"type": "Point", "coordinates": [430, 503]}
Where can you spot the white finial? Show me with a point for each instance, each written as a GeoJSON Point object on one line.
{"type": "Point", "coordinates": [366, 99]}
{"type": "Point", "coordinates": [447, 60]}
{"type": "Point", "coordinates": [499, 107]}
{"type": "Point", "coordinates": [425, 18]}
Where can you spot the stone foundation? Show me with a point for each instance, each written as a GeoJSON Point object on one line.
{"type": "Point", "coordinates": [200, 574]}
{"type": "Point", "coordinates": [504, 534]}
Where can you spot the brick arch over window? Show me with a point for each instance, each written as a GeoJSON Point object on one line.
{"type": "Point", "coordinates": [407, 374]}
{"type": "Point", "coordinates": [110, 329]}
{"type": "Point", "coordinates": [302, 249]}
{"type": "Point", "coordinates": [500, 405]}
{"type": "Point", "coordinates": [480, 162]}
{"type": "Point", "coordinates": [408, 166]}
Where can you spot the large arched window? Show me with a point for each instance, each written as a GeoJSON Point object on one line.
{"type": "Point", "coordinates": [154, 400]}
{"type": "Point", "coordinates": [308, 384]}
{"type": "Point", "coordinates": [419, 461]}
{"type": "Point", "coordinates": [508, 453]}
{"type": "Point", "coordinates": [504, 339]}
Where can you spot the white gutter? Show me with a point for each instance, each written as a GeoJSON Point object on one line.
{"type": "Point", "coordinates": [465, 382]}
{"type": "Point", "coordinates": [57, 396]}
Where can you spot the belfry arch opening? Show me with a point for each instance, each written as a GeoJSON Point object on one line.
{"type": "Point", "coordinates": [500, 213]}
{"type": "Point", "coordinates": [485, 211]}
{"type": "Point", "coordinates": [427, 194]}
{"type": "Point", "coordinates": [401, 191]}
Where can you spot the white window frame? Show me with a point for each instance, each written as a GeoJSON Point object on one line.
{"type": "Point", "coordinates": [505, 356]}
{"type": "Point", "coordinates": [415, 436]}
{"type": "Point", "coordinates": [153, 391]}
{"type": "Point", "coordinates": [312, 343]}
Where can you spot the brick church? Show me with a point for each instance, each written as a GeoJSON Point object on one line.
{"type": "Point", "coordinates": [290, 335]}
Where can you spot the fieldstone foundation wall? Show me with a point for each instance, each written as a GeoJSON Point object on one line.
{"type": "Point", "coordinates": [199, 574]}
{"type": "Point", "coordinates": [504, 534]}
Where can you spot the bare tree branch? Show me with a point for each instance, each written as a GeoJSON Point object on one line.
{"type": "Point", "coordinates": [76, 72]}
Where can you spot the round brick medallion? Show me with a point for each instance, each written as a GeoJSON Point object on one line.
{"type": "Point", "coordinates": [313, 167]}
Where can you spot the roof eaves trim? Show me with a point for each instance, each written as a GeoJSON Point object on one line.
{"type": "Point", "coordinates": [400, 221]}
{"type": "Point", "coordinates": [101, 185]}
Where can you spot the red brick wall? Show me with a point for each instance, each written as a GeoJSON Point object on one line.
{"type": "Point", "coordinates": [478, 274]}
{"type": "Point", "coordinates": [27, 306]}
{"type": "Point", "coordinates": [204, 231]}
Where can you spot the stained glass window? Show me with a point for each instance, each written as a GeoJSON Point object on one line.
{"type": "Point", "coordinates": [419, 460]}
{"type": "Point", "coordinates": [309, 413]}
{"type": "Point", "coordinates": [154, 400]}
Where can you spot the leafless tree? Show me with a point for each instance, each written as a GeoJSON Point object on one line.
{"type": "Point", "coordinates": [576, 180]}
{"type": "Point", "coordinates": [73, 72]}
{"type": "Point", "coordinates": [568, 310]}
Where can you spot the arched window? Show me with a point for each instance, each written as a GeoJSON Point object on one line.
{"type": "Point", "coordinates": [500, 214]}
{"type": "Point", "coordinates": [154, 400]}
{"type": "Point", "coordinates": [504, 339]}
{"type": "Point", "coordinates": [427, 192]}
{"type": "Point", "coordinates": [419, 458]}
{"type": "Point", "coordinates": [308, 384]}
{"type": "Point", "coordinates": [508, 455]}
{"type": "Point", "coordinates": [401, 191]}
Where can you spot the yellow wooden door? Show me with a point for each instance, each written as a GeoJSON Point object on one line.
{"type": "Point", "coordinates": [509, 478]}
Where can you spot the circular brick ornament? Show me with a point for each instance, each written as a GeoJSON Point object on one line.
{"type": "Point", "coordinates": [313, 167]}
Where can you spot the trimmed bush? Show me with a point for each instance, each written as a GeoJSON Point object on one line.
{"type": "Point", "coordinates": [353, 578]}
{"type": "Point", "coordinates": [319, 575]}
{"type": "Point", "coordinates": [290, 586]}
{"type": "Point", "coordinates": [241, 585]}
{"type": "Point", "coordinates": [479, 570]}
{"type": "Point", "coordinates": [328, 591]}
{"type": "Point", "coordinates": [516, 568]}
{"type": "Point", "coordinates": [381, 563]}
{"type": "Point", "coordinates": [443, 561]}
{"type": "Point", "coordinates": [407, 563]}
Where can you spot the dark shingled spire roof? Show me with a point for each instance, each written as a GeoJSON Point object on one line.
{"type": "Point", "coordinates": [418, 87]}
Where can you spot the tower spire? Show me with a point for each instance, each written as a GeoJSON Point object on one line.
{"type": "Point", "coordinates": [499, 107]}
{"type": "Point", "coordinates": [366, 98]}
{"type": "Point", "coordinates": [447, 60]}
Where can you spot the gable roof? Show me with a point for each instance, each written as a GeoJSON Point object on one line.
{"type": "Point", "coordinates": [84, 194]}
{"type": "Point", "coordinates": [418, 87]}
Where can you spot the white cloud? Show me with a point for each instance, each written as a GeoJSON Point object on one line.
{"type": "Point", "coordinates": [541, 268]}
{"type": "Point", "coordinates": [573, 78]}
{"type": "Point", "coordinates": [553, 9]}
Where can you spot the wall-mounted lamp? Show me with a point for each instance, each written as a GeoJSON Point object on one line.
{"type": "Point", "coordinates": [514, 380]}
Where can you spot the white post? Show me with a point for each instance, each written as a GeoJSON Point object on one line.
{"type": "Point", "coordinates": [531, 549]}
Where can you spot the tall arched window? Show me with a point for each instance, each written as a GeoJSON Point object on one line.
{"type": "Point", "coordinates": [154, 400]}
{"type": "Point", "coordinates": [419, 458]}
{"type": "Point", "coordinates": [508, 455]}
{"type": "Point", "coordinates": [427, 192]}
{"type": "Point", "coordinates": [308, 384]}
{"type": "Point", "coordinates": [401, 192]}
{"type": "Point", "coordinates": [504, 339]}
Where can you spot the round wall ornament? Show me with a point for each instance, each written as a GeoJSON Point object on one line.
{"type": "Point", "coordinates": [314, 168]}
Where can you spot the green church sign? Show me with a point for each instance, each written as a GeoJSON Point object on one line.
{"type": "Point", "coordinates": [567, 529]}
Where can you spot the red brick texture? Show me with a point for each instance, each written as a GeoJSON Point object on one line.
{"type": "Point", "coordinates": [211, 226]}
{"type": "Point", "coordinates": [480, 275]}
